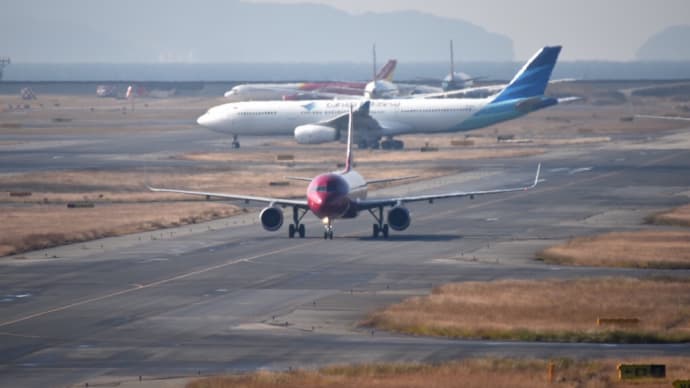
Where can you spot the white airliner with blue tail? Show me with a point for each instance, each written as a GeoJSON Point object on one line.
{"type": "Point", "coordinates": [320, 121]}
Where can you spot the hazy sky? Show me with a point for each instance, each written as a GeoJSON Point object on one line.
{"type": "Point", "coordinates": [588, 29]}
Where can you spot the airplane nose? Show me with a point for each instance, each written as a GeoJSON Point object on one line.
{"type": "Point", "coordinates": [203, 120]}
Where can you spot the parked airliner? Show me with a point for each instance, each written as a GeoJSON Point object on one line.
{"type": "Point", "coordinates": [306, 90]}
{"type": "Point", "coordinates": [320, 121]}
{"type": "Point", "coordinates": [342, 194]}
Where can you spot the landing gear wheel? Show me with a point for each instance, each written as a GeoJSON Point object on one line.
{"type": "Point", "coordinates": [291, 231]}
{"type": "Point", "coordinates": [235, 141]}
{"type": "Point", "coordinates": [330, 235]}
{"type": "Point", "coordinates": [384, 231]}
{"type": "Point", "coordinates": [301, 230]}
{"type": "Point", "coordinates": [375, 231]}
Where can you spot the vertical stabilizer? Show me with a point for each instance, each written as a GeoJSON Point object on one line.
{"type": "Point", "coordinates": [386, 72]}
{"type": "Point", "coordinates": [373, 53]}
{"type": "Point", "coordinates": [452, 63]}
{"type": "Point", "coordinates": [532, 79]}
{"type": "Point", "coordinates": [348, 157]}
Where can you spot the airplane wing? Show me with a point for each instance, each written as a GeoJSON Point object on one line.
{"type": "Point", "coordinates": [374, 203]}
{"type": "Point", "coordinates": [662, 117]}
{"type": "Point", "coordinates": [247, 198]}
{"type": "Point", "coordinates": [479, 90]}
{"type": "Point", "coordinates": [391, 179]}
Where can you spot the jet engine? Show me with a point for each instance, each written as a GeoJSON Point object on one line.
{"type": "Point", "coordinates": [315, 134]}
{"type": "Point", "coordinates": [399, 218]}
{"type": "Point", "coordinates": [271, 218]}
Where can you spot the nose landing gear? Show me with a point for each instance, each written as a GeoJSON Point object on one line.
{"type": "Point", "coordinates": [328, 225]}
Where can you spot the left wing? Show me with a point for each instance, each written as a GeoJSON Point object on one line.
{"type": "Point", "coordinates": [374, 203]}
{"type": "Point", "coordinates": [247, 198]}
{"type": "Point", "coordinates": [662, 117]}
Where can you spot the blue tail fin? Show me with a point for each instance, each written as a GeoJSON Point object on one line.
{"type": "Point", "coordinates": [532, 79]}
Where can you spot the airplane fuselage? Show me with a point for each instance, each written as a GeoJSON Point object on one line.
{"type": "Point", "coordinates": [397, 117]}
{"type": "Point", "coordinates": [332, 195]}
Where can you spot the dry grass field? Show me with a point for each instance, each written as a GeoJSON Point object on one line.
{"type": "Point", "coordinates": [639, 249]}
{"type": "Point", "coordinates": [43, 226]}
{"type": "Point", "coordinates": [550, 310]}
{"type": "Point", "coordinates": [679, 216]}
{"type": "Point", "coordinates": [471, 373]}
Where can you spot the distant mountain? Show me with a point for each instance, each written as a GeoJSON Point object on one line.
{"type": "Point", "coordinates": [137, 31]}
{"type": "Point", "coordinates": [670, 44]}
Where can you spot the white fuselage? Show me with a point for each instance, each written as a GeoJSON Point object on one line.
{"type": "Point", "coordinates": [262, 92]}
{"type": "Point", "coordinates": [397, 117]}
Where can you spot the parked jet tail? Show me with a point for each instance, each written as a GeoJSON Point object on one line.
{"type": "Point", "coordinates": [387, 70]}
{"type": "Point", "coordinates": [532, 79]}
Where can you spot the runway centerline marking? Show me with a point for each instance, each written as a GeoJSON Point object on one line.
{"type": "Point", "coordinates": [139, 287]}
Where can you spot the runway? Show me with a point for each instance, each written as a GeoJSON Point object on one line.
{"type": "Point", "coordinates": [228, 296]}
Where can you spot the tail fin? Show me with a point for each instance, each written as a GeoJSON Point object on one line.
{"type": "Point", "coordinates": [532, 79]}
{"type": "Point", "coordinates": [387, 70]}
{"type": "Point", "coordinates": [348, 157]}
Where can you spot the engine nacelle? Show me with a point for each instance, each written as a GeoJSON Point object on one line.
{"type": "Point", "coordinates": [271, 218]}
{"type": "Point", "coordinates": [399, 218]}
{"type": "Point", "coordinates": [315, 134]}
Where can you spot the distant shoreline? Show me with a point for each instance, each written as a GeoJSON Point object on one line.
{"type": "Point", "coordinates": [337, 71]}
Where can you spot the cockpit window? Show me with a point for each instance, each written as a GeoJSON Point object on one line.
{"type": "Point", "coordinates": [332, 186]}
{"type": "Point", "coordinates": [321, 189]}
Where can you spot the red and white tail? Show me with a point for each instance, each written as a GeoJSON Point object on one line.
{"type": "Point", "coordinates": [387, 70]}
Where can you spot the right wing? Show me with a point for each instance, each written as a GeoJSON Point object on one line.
{"type": "Point", "coordinates": [374, 203]}
{"type": "Point", "coordinates": [247, 198]}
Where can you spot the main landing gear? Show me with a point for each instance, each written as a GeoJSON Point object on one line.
{"type": "Point", "coordinates": [297, 227]}
{"type": "Point", "coordinates": [328, 225]}
{"type": "Point", "coordinates": [392, 144]}
{"type": "Point", "coordinates": [235, 141]}
{"type": "Point", "coordinates": [379, 226]}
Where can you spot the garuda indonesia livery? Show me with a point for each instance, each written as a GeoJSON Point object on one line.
{"type": "Point", "coordinates": [320, 121]}
{"type": "Point", "coordinates": [342, 194]}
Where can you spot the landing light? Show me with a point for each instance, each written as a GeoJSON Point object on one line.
{"type": "Point", "coordinates": [325, 221]}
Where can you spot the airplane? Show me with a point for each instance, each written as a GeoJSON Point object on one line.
{"type": "Point", "coordinates": [321, 121]}
{"type": "Point", "coordinates": [340, 195]}
{"type": "Point", "coordinates": [306, 90]}
{"type": "Point", "coordinates": [385, 88]}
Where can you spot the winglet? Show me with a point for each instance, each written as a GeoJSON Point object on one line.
{"type": "Point", "coordinates": [348, 158]}
{"type": "Point", "coordinates": [536, 178]}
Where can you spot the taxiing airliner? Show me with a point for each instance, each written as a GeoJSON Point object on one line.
{"type": "Point", "coordinates": [320, 121]}
{"type": "Point", "coordinates": [342, 194]}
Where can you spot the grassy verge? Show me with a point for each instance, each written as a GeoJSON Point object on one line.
{"type": "Point", "coordinates": [679, 216]}
{"type": "Point", "coordinates": [640, 249]}
{"type": "Point", "coordinates": [43, 226]}
{"type": "Point", "coordinates": [467, 373]}
{"type": "Point", "coordinates": [549, 310]}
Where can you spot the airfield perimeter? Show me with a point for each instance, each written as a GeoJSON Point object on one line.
{"type": "Point", "coordinates": [227, 296]}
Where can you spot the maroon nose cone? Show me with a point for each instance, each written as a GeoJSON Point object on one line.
{"type": "Point", "coordinates": [327, 196]}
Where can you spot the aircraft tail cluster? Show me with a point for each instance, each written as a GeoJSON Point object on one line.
{"type": "Point", "coordinates": [533, 78]}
